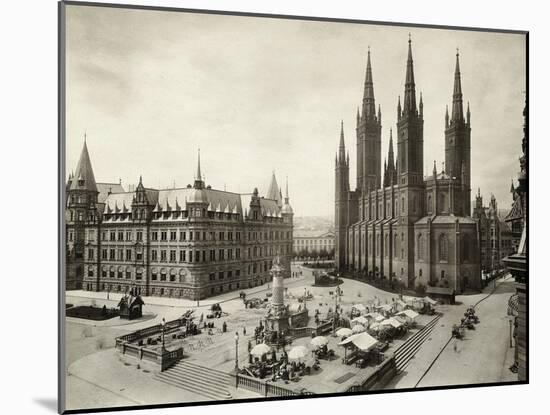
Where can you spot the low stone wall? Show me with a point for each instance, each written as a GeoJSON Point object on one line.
{"type": "Point", "coordinates": [265, 388]}
{"type": "Point", "coordinates": [380, 378]}
{"type": "Point", "coordinates": [161, 361]}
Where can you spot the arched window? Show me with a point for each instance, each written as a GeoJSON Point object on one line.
{"type": "Point", "coordinates": [430, 206]}
{"type": "Point", "coordinates": [443, 247]}
{"type": "Point", "coordinates": [395, 245]}
{"type": "Point", "coordinates": [386, 245]}
{"type": "Point", "coordinates": [378, 245]}
{"type": "Point", "coordinates": [465, 248]}
{"type": "Point", "coordinates": [402, 244]}
{"type": "Point", "coordinates": [442, 202]}
{"type": "Point", "coordinates": [420, 247]}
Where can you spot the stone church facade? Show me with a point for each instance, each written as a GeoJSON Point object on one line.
{"type": "Point", "coordinates": [402, 226]}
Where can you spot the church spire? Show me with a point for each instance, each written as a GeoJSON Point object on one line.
{"type": "Point", "coordinates": [457, 113]}
{"type": "Point", "coordinates": [342, 148]}
{"type": "Point", "coordinates": [409, 102]}
{"type": "Point", "coordinates": [369, 107]}
{"type": "Point", "coordinates": [390, 170]}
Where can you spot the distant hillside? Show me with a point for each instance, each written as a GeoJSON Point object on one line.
{"type": "Point", "coordinates": [314, 223]}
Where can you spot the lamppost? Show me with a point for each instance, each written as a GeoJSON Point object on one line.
{"type": "Point", "coordinates": [335, 316]}
{"type": "Point", "coordinates": [163, 325]}
{"type": "Point", "coordinates": [236, 359]}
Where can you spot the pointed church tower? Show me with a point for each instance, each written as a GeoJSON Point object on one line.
{"type": "Point", "coordinates": [410, 158]}
{"type": "Point", "coordinates": [391, 171]}
{"type": "Point", "coordinates": [341, 202]}
{"type": "Point", "coordinates": [369, 127]}
{"type": "Point", "coordinates": [457, 146]}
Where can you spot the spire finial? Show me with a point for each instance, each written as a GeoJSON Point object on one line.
{"type": "Point", "coordinates": [369, 107]}
{"type": "Point", "coordinates": [457, 114]}
{"type": "Point", "coordinates": [435, 169]}
{"type": "Point", "coordinates": [409, 37]}
{"type": "Point", "coordinates": [85, 134]}
{"type": "Point", "coordinates": [199, 179]}
{"type": "Point", "coordinates": [286, 190]}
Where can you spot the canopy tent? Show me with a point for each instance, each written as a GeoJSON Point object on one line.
{"type": "Point", "coordinates": [387, 307]}
{"type": "Point", "coordinates": [374, 326]}
{"type": "Point", "coordinates": [319, 341]}
{"type": "Point", "coordinates": [358, 328]}
{"type": "Point", "coordinates": [408, 313]}
{"type": "Point", "coordinates": [260, 349]}
{"type": "Point", "coordinates": [298, 353]}
{"type": "Point", "coordinates": [363, 341]}
{"type": "Point", "coordinates": [401, 304]}
{"type": "Point", "coordinates": [344, 331]}
{"type": "Point", "coordinates": [360, 320]}
{"type": "Point", "coordinates": [391, 322]}
{"type": "Point", "coordinates": [429, 300]}
{"type": "Point", "coordinates": [359, 307]}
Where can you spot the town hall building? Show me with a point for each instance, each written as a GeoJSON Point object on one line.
{"type": "Point", "coordinates": [192, 242]}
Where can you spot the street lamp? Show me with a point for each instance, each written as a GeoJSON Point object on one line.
{"type": "Point", "coordinates": [236, 359]}
{"type": "Point", "coordinates": [163, 325]}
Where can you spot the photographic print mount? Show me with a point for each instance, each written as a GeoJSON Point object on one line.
{"type": "Point", "coordinates": [189, 280]}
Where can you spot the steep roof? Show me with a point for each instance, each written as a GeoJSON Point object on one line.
{"type": "Point", "coordinates": [84, 175]}
{"type": "Point", "coordinates": [274, 192]}
{"type": "Point", "coordinates": [177, 199]}
{"type": "Point", "coordinates": [105, 188]}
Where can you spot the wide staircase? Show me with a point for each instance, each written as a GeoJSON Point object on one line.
{"type": "Point", "coordinates": [408, 349]}
{"type": "Point", "coordinates": [201, 380]}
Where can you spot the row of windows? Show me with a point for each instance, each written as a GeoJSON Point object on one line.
{"type": "Point", "coordinates": [188, 235]}
{"type": "Point", "coordinates": [443, 246]}
{"type": "Point", "coordinates": [372, 213]}
{"type": "Point", "coordinates": [163, 255]}
{"type": "Point", "coordinates": [313, 241]}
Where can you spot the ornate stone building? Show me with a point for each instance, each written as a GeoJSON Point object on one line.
{"type": "Point", "coordinates": [191, 242]}
{"type": "Point", "coordinates": [497, 239]}
{"type": "Point", "coordinates": [405, 226]}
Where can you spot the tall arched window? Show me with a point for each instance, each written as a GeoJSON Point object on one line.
{"type": "Point", "coordinates": [430, 205]}
{"type": "Point", "coordinates": [378, 245]}
{"type": "Point", "coordinates": [420, 246]}
{"type": "Point", "coordinates": [442, 202]}
{"type": "Point", "coordinates": [443, 247]}
{"type": "Point", "coordinates": [465, 248]}
{"type": "Point", "coordinates": [386, 245]}
{"type": "Point", "coordinates": [402, 244]}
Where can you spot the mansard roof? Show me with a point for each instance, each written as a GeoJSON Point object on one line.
{"type": "Point", "coordinates": [177, 199]}
{"type": "Point", "coordinates": [105, 188]}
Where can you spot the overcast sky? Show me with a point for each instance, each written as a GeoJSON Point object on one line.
{"type": "Point", "coordinates": [258, 95]}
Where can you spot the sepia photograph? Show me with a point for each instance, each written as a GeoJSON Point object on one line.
{"type": "Point", "coordinates": [261, 207]}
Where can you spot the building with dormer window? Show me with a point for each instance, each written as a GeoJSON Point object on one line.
{"type": "Point", "coordinates": [192, 242]}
